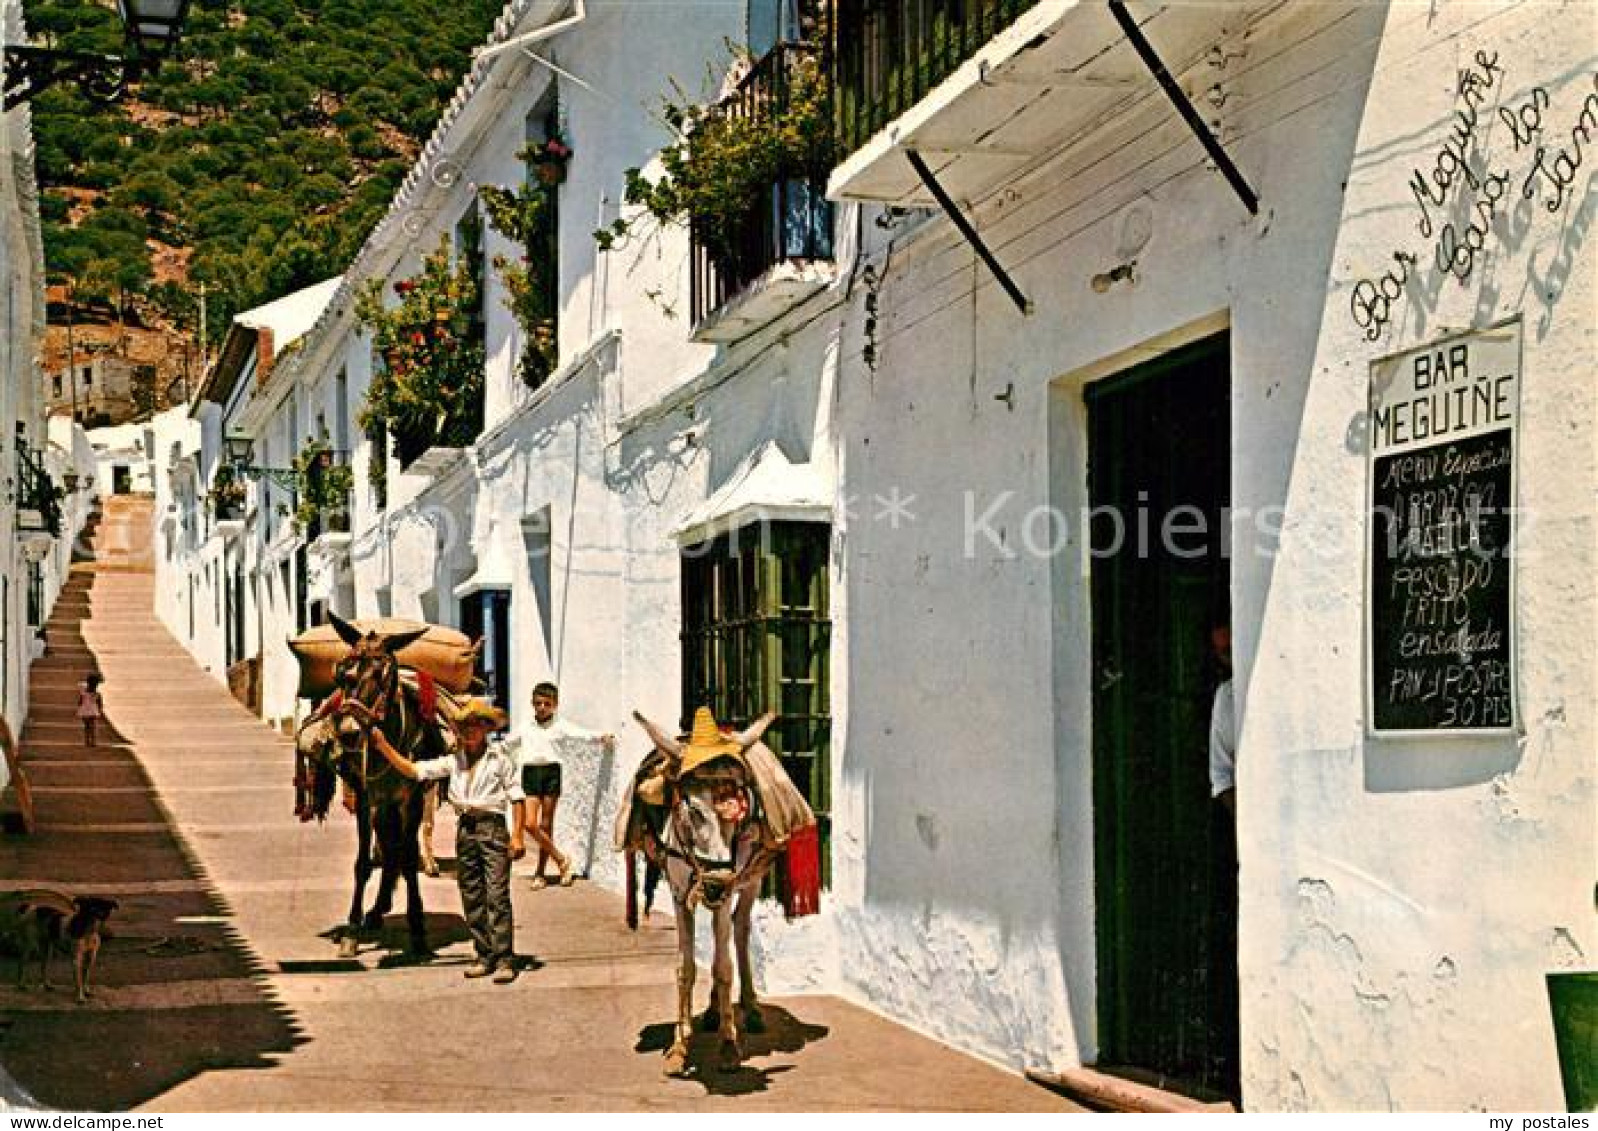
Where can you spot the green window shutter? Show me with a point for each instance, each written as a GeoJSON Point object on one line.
{"type": "Point", "coordinates": [756, 636]}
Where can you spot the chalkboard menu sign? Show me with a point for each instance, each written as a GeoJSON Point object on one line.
{"type": "Point", "coordinates": [1440, 593]}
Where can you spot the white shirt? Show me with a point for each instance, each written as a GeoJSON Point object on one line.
{"type": "Point", "coordinates": [544, 744]}
{"type": "Point", "coordinates": [1223, 741]}
{"type": "Point", "coordinates": [488, 786]}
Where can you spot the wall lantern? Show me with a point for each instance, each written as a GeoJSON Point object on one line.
{"type": "Point", "coordinates": [240, 448]}
{"type": "Point", "coordinates": [150, 30]}
{"type": "Point", "coordinates": [240, 451]}
{"type": "Point", "coordinates": [69, 480]}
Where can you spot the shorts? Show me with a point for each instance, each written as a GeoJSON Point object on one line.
{"type": "Point", "coordinates": [541, 780]}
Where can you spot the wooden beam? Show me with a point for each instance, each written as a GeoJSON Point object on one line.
{"type": "Point", "coordinates": [1115, 1093]}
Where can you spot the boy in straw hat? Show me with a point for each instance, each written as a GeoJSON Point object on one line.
{"type": "Point", "coordinates": [483, 784]}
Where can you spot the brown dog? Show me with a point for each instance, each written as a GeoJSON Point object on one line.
{"type": "Point", "coordinates": [38, 922]}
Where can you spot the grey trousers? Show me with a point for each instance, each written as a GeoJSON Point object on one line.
{"type": "Point", "coordinates": [482, 868]}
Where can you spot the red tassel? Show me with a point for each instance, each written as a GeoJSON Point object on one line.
{"type": "Point", "coordinates": [632, 890]}
{"type": "Point", "coordinates": [427, 696]}
{"type": "Point", "coordinates": [801, 874]}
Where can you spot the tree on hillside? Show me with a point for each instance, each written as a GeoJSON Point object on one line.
{"type": "Point", "coordinates": [296, 121]}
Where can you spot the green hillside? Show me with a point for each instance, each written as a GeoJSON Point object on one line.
{"type": "Point", "coordinates": [258, 160]}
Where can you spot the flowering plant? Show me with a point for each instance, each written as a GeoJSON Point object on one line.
{"type": "Point", "coordinates": [716, 177]}
{"type": "Point", "coordinates": [549, 159]}
{"type": "Point", "coordinates": [429, 388]}
{"type": "Point", "coordinates": [227, 493]}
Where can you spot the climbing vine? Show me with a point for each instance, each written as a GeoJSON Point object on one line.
{"type": "Point", "coordinates": [525, 216]}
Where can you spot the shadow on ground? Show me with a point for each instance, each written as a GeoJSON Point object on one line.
{"type": "Point", "coordinates": [392, 941]}
{"type": "Point", "coordinates": [179, 992]}
{"type": "Point", "coordinates": [784, 1033]}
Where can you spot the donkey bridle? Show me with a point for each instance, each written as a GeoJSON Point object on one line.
{"type": "Point", "coordinates": [370, 717]}
{"type": "Point", "coordinates": [712, 885]}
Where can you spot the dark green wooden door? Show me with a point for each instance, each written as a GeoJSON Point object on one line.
{"type": "Point", "coordinates": [1158, 457]}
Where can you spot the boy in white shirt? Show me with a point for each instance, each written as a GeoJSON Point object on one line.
{"type": "Point", "coordinates": [540, 757]}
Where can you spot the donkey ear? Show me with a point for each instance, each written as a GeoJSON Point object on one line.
{"type": "Point", "coordinates": [667, 745]}
{"type": "Point", "coordinates": [347, 632]}
{"type": "Point", "coordinates": [400, 640]}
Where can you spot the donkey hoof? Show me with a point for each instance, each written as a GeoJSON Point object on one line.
{"type": "Point", "coordinates": [753, 1021]}
{"type": "Point", "coordinates": [708, 1021]}
{"type": "Point", "coordinates": [419, 951]}
{"type": "Point", "coordinates": [730, 1056]}
{"type": "Point", "coordinates": [676, 1062]}
{"type": "Point", "coordinates": [372, 922]}
{"type": "Point", "coordinates": [348, 945]}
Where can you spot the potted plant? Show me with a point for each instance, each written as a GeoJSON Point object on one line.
{"type": "Point", "coordinates": [323, 504]}
{"type": "Point", "coordinates": [227, 495]}
{"type": "Point", "coordinates": [548, 159]}
{"type": "Point", "coordinates": [1573, 1001]}
{"type": "Point", "coordinates": [428, 392]}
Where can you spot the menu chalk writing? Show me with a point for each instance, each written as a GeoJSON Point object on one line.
{"type": "Point", "coordinates": [1439, 607]}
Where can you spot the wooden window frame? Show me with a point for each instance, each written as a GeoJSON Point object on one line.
{"type": "Point", "coordinates": [756, 635]}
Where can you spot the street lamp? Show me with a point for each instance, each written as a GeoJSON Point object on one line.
{"type": "Point", "coordinates": [241, 450]}
{"type": "Point", "coordinates": [153, 24]}
{"type": "Point", "coordinates": [150, 30]}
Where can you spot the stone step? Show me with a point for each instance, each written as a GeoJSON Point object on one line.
{"type": "Point", "coordinates": [94, 632]}
{"type": "Point", "coordinates": [58, 684]}
{"type": "Point", "coordinates": [181, 731]}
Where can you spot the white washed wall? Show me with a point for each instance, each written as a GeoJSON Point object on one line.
{"type": "Point", "coordinates": [1400, 904]}
{"type": "Point", "coordinates": [545, 452]}
{"type": "Point", "coordinates": [1407, 898]}
{"type": "Point", "coordinates": [21, 328]}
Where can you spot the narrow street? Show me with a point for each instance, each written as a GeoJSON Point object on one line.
{"type": "Point", "coordinates": [221, 990]}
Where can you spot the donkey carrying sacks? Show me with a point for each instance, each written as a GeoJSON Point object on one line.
{"type": "Point", "coordinates": [443, 653]}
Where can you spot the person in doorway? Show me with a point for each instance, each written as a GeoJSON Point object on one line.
{"type": "Point", "coordinates": [1223, 725]}
{"type": "Point", "coordinates": [91, 708]}
{"type": "Point", "coordinates": [1222, 946]}
{"type": "Point", "coordinates": [548, 740]}
{"type": "Point", "coordinates": [483, 785]}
